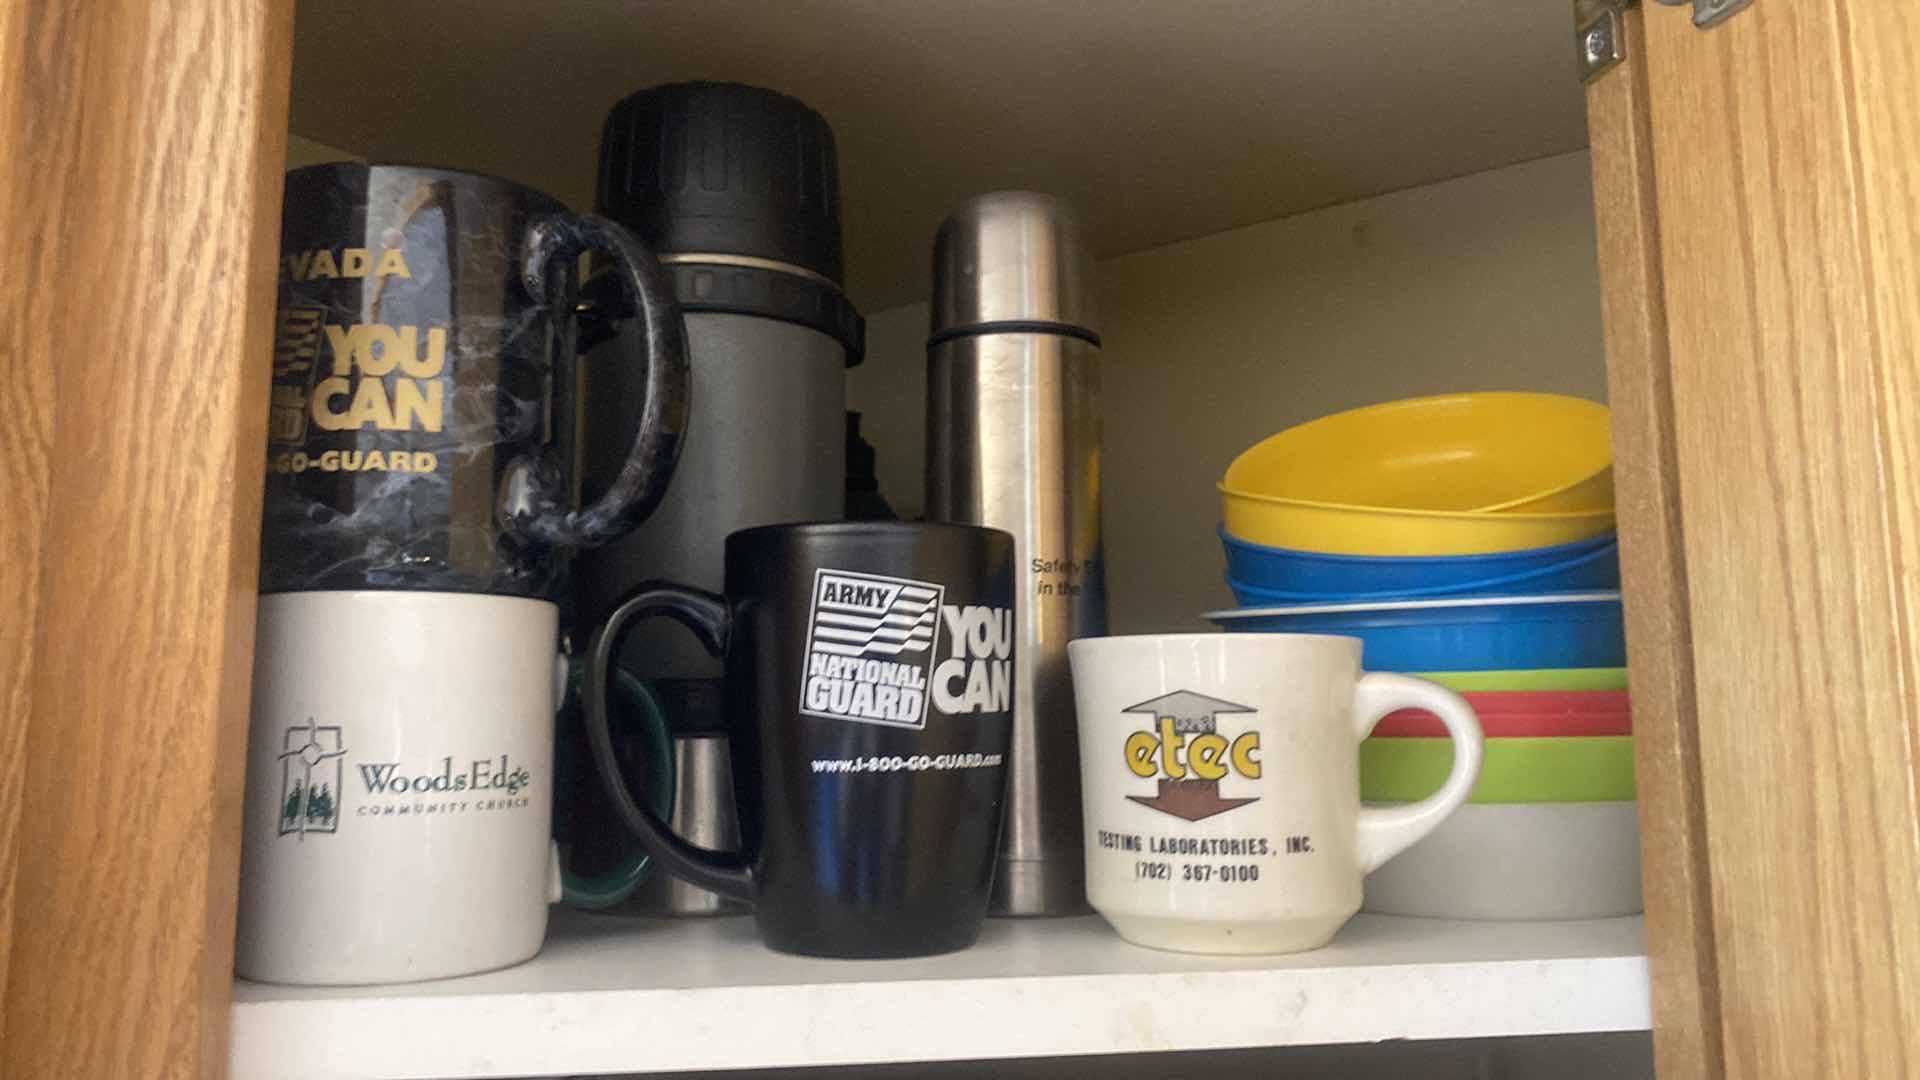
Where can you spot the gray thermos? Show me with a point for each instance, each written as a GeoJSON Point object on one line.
{"type": "Point", "coordinates": [738, 190]}
{"type": "Point", "coordinates": [1013, 441]}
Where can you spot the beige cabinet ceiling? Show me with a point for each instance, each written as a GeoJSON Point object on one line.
{"type": "Point", "coordinates": [1159, 119]}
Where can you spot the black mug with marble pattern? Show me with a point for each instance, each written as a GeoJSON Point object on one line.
{"type": "Point", "coordinates": [424, 355]}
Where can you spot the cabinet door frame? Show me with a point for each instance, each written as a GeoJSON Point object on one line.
{"type": "Point", "coordinates": [1673, 860]}
{"type": "Point", "coordinates": [141, 164]}
{"type": "Point", "coordinates": [1760, 257]}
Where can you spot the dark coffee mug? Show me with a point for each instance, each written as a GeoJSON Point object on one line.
{"type": "Point", "coordinates": [869, 706]}
{"type": "Point", "coordinates": [423, 367]}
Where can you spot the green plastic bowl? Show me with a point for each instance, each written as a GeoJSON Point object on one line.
{"type": "Point", "coordinates": [1583, 768]}
{"type": "Point", "coordinates": [1591, 678]}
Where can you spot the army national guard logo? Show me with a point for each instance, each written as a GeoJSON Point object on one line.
{"type": "Point", "coordinates": [310, 772]}
{"type": "Point", "coordinates": [870, 648]}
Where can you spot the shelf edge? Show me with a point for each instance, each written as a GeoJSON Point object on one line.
{"type": "Point", "coordinates": [931, 1020]}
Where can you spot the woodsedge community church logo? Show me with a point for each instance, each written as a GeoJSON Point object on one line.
{"type": "Point", "coordinates": [311, 768]}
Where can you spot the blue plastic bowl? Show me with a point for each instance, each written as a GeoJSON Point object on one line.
{"type": "Point", "coordinates": [1597, 569]}
{"type": "Point", "coordinates": [1305, 575]}
{"type": "Point", "coordinates": [1505, 633]}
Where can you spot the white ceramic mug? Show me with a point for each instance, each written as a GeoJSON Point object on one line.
{"type": "Point", "coordinates": [399, 786]}
{"type": "Point", "coordinates": [1221, 782]}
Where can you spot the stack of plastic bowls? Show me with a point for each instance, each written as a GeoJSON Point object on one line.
{"type": "Point", "coordinates": [1468, 539]}
{"type": "Point", "coordinates": [1460, 495]}
{"type": "Point", "coordinates": [1550, 831]}
{"type": "Point", "coordinates": [1464, 495]}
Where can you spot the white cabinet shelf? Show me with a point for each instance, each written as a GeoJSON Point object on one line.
{"type": "Point", "coordinates": [614, 995]}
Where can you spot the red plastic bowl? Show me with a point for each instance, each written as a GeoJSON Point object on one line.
{"type": "Point", "coordinates": [1511, 714]}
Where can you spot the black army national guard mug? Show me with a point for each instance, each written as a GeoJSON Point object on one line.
{"type": "Point", "coordinates": [422, 373]}
{"type": "Point", "coordinates": [868, 699]}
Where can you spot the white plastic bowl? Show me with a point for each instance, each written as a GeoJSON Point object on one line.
{"type": "Point", "coordinates": [1517, 861]}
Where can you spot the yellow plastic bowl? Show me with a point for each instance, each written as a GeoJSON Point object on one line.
{"type": "Point", "coordinates": [1477, 452]}
{"type": "Point", "coordinates": [1593, 493]}
{"type": "Point", "coordinates": [1359, 530]}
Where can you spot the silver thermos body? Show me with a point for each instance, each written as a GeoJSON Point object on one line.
{"type": "Point", "coordinates": [703, 813]}
{"type": "Point", "coordinates": [1013, 441]}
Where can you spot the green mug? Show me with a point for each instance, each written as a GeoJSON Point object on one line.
{"type": "Point", "coordinates": [592, 877]}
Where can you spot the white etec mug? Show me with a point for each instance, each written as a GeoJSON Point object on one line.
{"type": "Point", "coordinates": [1221, 783]}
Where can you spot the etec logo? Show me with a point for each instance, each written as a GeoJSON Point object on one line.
{"type": "Point", "coordinates": [1189, 755]}
{"type": "Point", "coordinates": [870, 647]}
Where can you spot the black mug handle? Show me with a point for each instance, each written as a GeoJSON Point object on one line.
{"type": "Point", "coordinates": [537, 497]}
{"type": "Point", "coordinates": [705, 613]}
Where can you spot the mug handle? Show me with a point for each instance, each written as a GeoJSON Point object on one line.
{"type": "Point", "coordinates": [705, 613]}
{"type": "Point", "coordinates": [535, 495]}
{"type": "Point", "coordinates": [1386, 831]}
{"type": "Point", "coordinates": [614, 885]}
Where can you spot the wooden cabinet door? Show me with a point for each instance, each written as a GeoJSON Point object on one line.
{"type": "Point", "coordinates": [141, 147]}
{"type": "Point", "coordinates": [1758, 194]}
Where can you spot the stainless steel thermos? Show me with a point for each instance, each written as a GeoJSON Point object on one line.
{"type": "Point", "coordinates": [1013, 441]}
{"type": "Point", "coordinates": [704, 814]}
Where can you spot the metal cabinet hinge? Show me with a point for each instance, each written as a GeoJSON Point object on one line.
{"type": "Point", "coordinates": [1598, 35]}
{"type": "Point", "coordinates": [1598, 32]}
{"type": "Point", "coordinates": [1710, 12]}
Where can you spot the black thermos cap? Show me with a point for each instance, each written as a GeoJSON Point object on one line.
{"type": "Point", "coordinates": [727, 169]}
